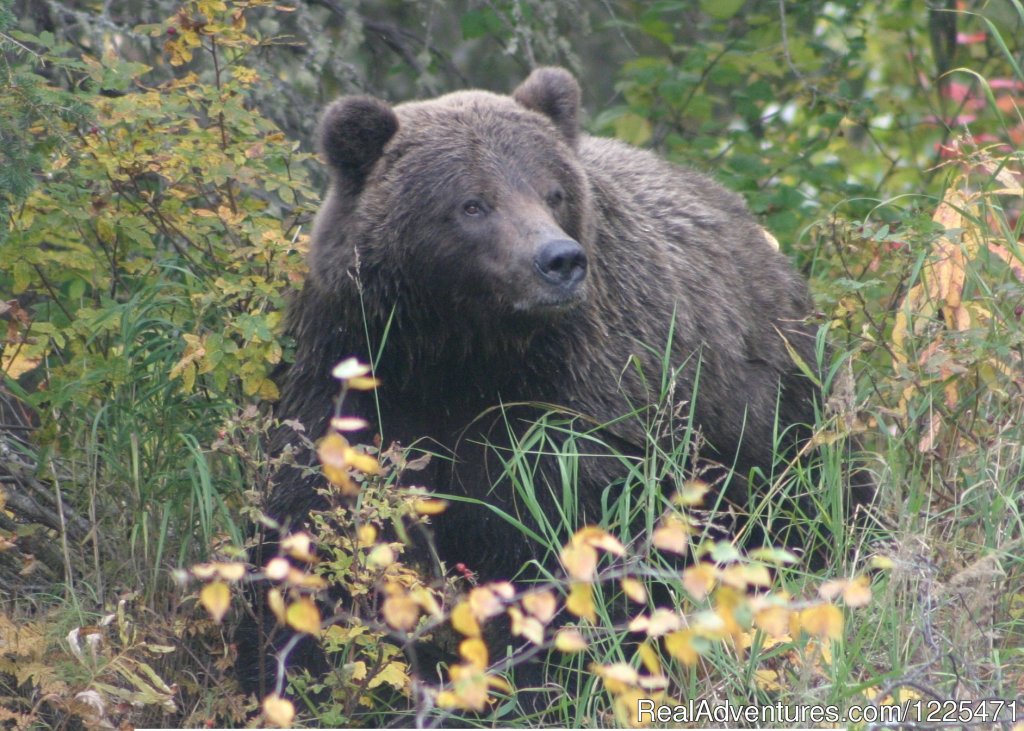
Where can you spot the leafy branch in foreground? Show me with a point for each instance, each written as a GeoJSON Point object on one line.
{"type": "Point", "coordinates": [358, 593]}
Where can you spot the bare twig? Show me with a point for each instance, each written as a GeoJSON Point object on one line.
{"type": "Point", "coordinates": [70, 576]}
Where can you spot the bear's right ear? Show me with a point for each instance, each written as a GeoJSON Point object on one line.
{"type": "Point", "coordinates": [352, 134]}
{"type": "Point", "coordinates": [553, 92]}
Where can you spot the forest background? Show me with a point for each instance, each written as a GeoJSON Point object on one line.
{"type": "Point", "coordinates": [157, 183]}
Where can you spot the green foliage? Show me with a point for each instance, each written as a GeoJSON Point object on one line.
{"type": "Point", "coordinates": [159, 253]}
{"type": "Point", "coordinates": [150, 273]}
{"type": "Point", "coordinates": [805, 111]}
{"type": "Point", "coordinates": [29, 101]}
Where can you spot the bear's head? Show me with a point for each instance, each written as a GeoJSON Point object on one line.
{"type": "Point", "coordinates": [470, 202]}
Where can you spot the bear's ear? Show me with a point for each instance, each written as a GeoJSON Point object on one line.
{"type": "Point", "coordinates": [554, 93]}
{"type": "Point", "coordinates": [352, 134]}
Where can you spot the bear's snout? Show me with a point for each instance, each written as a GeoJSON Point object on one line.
{"type": "Point", "coordinates": [562, 262]}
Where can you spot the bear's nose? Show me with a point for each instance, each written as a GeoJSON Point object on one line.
{"type": "Point", "coordinates": [562, 262]}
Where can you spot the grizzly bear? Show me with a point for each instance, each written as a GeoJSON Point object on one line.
{"type": "Point", "coordinates": [496, 263]}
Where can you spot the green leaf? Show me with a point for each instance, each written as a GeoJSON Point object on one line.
{"type": "Point", "coordinates": [721, 9]}
{"type": "Point", "coordinates": [633, 128]}
{"type": "Point", "coordinates": [478, 23]}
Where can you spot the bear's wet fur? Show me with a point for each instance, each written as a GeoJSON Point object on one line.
{"type": "Point", "coordinates": [483, 251]}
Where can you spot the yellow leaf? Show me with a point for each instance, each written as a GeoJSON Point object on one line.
{"type": "Point", "coordinates": [276, 568]}
{"type": "Point", "coordinates": [541, 604]}
{"type": "Point", "coordinates": [303, 616]}
{"type": "Point", "coordinates": [672, 535]}
{"type": "Point", "coordinates": [279, 711]}
{"type": "Point", "coordinates": [16, 364]}
{"type": "Point", "coordinates": [344, 482]}
{"type": "Point", "coordinates": [504, 589]}
{"type": "Point", "coordinates": [858, 592]}
{"type": "Point", "coordinates": [268, 390]}
{"type": "Point", "coordinates": [429, 506]}
{"type": "Point", "coordinates": [463, 620]}
{"type": "Point", "coordinates": [350, 368]}
{"type": "Point", "coordinates": [570, 641]}
{"type": "Point", "coordinates": [310, 581]}
{"type": "Point", "coordinates": [639, 623]}
{"type": "Point", "coordinates": [659, 623]}
{"type": "Point", "coordinates": [699, 580]}
{"type": "Point", "coordinates": [395, 674]}
{"type": "Point", "coordinates": [337, 456]}
{"type": "Point", "coordinates": [692, 493]}
{"type": "Point", "coordinates": [757, 575]}
{"type": "Point", "coordinates": [216, 598]}
{"type": "Point", "coordinates": [275, 600]}
{"type": "Point", "coordinates": [424, 597]}
{"type": "Point", "coordinates": [598, 538]}
{"type": "Point", "coordinates": [727, 601]}
{"type": "Point", "coordinates": [580, 561]}
{"type": "Point", "coordinates": [946, 273]}
{"type": "Point", "coordinates": [767, 680]}
{"type": "Point", "coordinates": [474, 651]}
{"type": "Point", "coordinates": [653, 682]}
{"type": "Point", "coordinates": [634, 589]}
{"type": "Point", "coordinates": [679, 645]}
{"type": "Point", "coordinates": [349, 423]}
{"type": "Point", "coordinates": [734, 576]}
{"type": "Point", "coordinates": [448, 699]}
{"type": "Point", "coordinates": [630, 706]}
{"type": "Point", "coordinates": [649, 657]}
{"type": "Point", "coordinates": [773, 621]}
{"type": "Point", "coordinates": [366, 535]}
{"type": "Point", "coordinates": [617, 676]}
{"type": "Point", "coordinates": [380, 557]}
{"type": "Point", "coordinates": [363, 383]}
{"type": "Point", "coordinates": [362, 462]}
{"type": "Point", "coordinates": [901, 330]}
{"type": "Point", "coordinates": [355, 670]}
{"type": "Point", "coordinates": [484, 603]}
{"type": "Point", "coordinates": [469, 685]}
{"type": "Point", "coordinates": [204, 571]}
{"type": "Point", "coordinates": [824, 438]}
{"type": "Point", "coordinates": [528, 627]}
{"type": "Point", "coordinates": [581, 602]}
{"type": "Point", "coordinates": [230, 571]}
{"type": "Point", "coordinates": [831, 589]}
{"type": "Point", "coordinates": [710, 625]}
{"type": "Point", "coordinates": [663, 621]}
{"type": "Point", "coordinates": [299, 546]}
{"type": "Point", "coordinates": [824, 620]}
{"type": "Point", "coordinates": [332, 451]}
{"type": "Point", "coordinates": [882, 562]}
{"type": "Point", "coordinates": [401, 611]}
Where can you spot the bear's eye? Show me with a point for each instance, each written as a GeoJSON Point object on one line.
{"type": "Point", "coordinates": [555, 198]}
{"type": "Point", "coordinates": [473, 208]}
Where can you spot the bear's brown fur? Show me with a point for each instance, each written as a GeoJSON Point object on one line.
{"type": "Point", "coordinates": [483, 251]}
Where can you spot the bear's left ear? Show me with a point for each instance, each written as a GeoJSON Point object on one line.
{"type": "Point", "coordinates": [554, 93]}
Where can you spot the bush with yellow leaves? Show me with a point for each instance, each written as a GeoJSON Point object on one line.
{"type": "Point", "coordinates": [641, 626]}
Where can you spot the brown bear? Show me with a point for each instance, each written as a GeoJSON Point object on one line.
{"type": "Point", "coordinates": [483, 252]}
